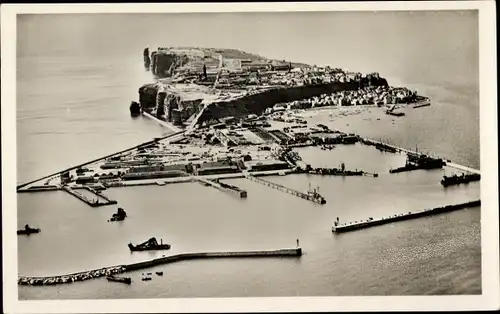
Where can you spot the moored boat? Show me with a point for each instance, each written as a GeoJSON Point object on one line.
{"type": "Point", "coordinates": [149, 245]}
{"type": "Point", "coordinates": [125, 280]}
{"type": "Point", "coordinates": [120, 215]}
{"type": "Point", "coordinates": [28, 230]}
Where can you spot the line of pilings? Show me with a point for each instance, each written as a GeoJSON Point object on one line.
{"type": "Point", "coordinates": [100, 158]}
{"type": "Point", "coordinates": [312, 198]}
{"type": "Point", "coordinates": [113, 270]}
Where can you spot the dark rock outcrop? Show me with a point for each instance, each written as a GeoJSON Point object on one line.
{"type": "Point", "coordinates": [135, 108]}
{"type": "Point", "coordinates": [147, 59]}
{"type": "Point", "coordinates": [147, 96]}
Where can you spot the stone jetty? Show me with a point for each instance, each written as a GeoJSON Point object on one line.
{"type": "Point", "coordinates": [370, 222]}
{"type": "Point", "coordinates": [107, 271]}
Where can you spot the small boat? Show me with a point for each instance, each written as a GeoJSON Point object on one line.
{"type": "Point", "coordinates": [159, 273]}
{"type": "Point", "coordinates": [146, 278]}
{"type": "Point", "coordinates": [28, 230]}
{"type": "Point", "coordinates": [149, 245]}
{"type": "Point", "coordinates": [125, 280]}
{"type": "Point", "coordinates": [120, 215]}
{"type": "Point", "coordinates": [395, 113]}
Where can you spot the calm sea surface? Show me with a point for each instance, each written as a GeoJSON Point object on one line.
{"type": "Point", "coordinates": [76, 76]}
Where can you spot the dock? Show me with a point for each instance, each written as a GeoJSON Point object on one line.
{"type": "Point", "coordinates": [351, 226]}
{"type": "Point", "coordinates": [390, 147]}
{"type": "Point", "coordinates": [86, 200]}
{"type": "Point", "coordinates": [222, 186]}
{"type": "Point", "coordinates": [106, 271]}
{"type": "Point", "coordinates": [316, 198]}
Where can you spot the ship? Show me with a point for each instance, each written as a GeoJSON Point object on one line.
{"type": "Point", "coordinates": [314, 194]}
{"type": "Point", "coordinates": [395, 113]}
{"type": "Point", "coordinates": [458, 179]}
{"type": "Point", "coordinates": [423, 103]}
{"type": "Point", "coordinates": [125, 280]}
{"type": "Point", "coordinates": [391, 112]}
{"type": "Point", "coordinates": [28, 230]}
{"type": "Point", "coordinates": [425, 161]}
{"type": "Point", "coordinates": [120, 215]}
{"type": "Point", "coordinates": [149, 245]}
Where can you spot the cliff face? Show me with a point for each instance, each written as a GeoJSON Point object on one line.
{"type": "Point", "coordinates": [147, 96]}
{"type": "Point", "coordinates": [258, 103]}
{"type": "Point", "coordinates": [252, 104]}
{"type": "Point", "coordinates": [163, 63]}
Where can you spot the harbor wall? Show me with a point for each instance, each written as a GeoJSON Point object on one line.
{"type": "Point", "coordinates": [401, 217]}
{"type": "Point", "coordinates": [99, 159]}
{"type": "Point", "coordinates": [106, 271]}
{"type": "Point", "coordinates": [190, 256]}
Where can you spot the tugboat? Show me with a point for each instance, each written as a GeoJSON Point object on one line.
{"type": "Point", "coordinates": [125, 280]}
{"type": "Point", "coordinates": [28, 230]}
{"type": "Point", "coordinates": [149, 245]}
{"type": "Point", "coordinates": [119, 215]}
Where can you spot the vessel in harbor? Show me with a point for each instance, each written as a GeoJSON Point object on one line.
{"type": "Point", "coordinates": [314, 194]}
{"type": "Point", "coordinates": [28, 230]}
{"type": "Point", "coordinates": [422, 103]}
{"type": "Point", "coordinates": [149, 245]}
{"type": "Point", "coordinates": [459, 179]}
{"type": "Point", "coordinates": [125, 280]}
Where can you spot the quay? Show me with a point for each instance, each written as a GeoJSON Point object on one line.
{"type": "Point", "coordinates": [351, 226]}
{"type": "Point", "coordinates": [106, 271]}
{"type": "Point", "coordinates": [312, 196]}
{"type": "Point", "coordinates": [222, 186]}
{"type": "Point", "coordinates": [86, 200]}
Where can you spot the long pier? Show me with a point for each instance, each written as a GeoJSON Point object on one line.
{"type": "Point", "coordinates": [313, 198]}
{"type": "Point", "coordinates": [222, 187]}
{"type": "Point", "coordinates": [368, 141]}
{"type": "Point", "coordinates": [351, 226]}
{"type": "Point", "coordinates": [106, 271]}
{"type": "Point", "coordinates": [463, 168]}
{"type": "Point", "coordinates": [86, 200]}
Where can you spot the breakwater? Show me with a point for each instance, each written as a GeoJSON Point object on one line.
{"type": "Point", "coordinates": [20, 186]}
{"type": "Point", "coordinates": [106, 271]}
{"type": "Point", "coordinates": [370, 222]}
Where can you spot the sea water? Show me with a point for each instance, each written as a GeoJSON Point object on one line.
{"type": "Point", "coordinates": [74, 86]}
